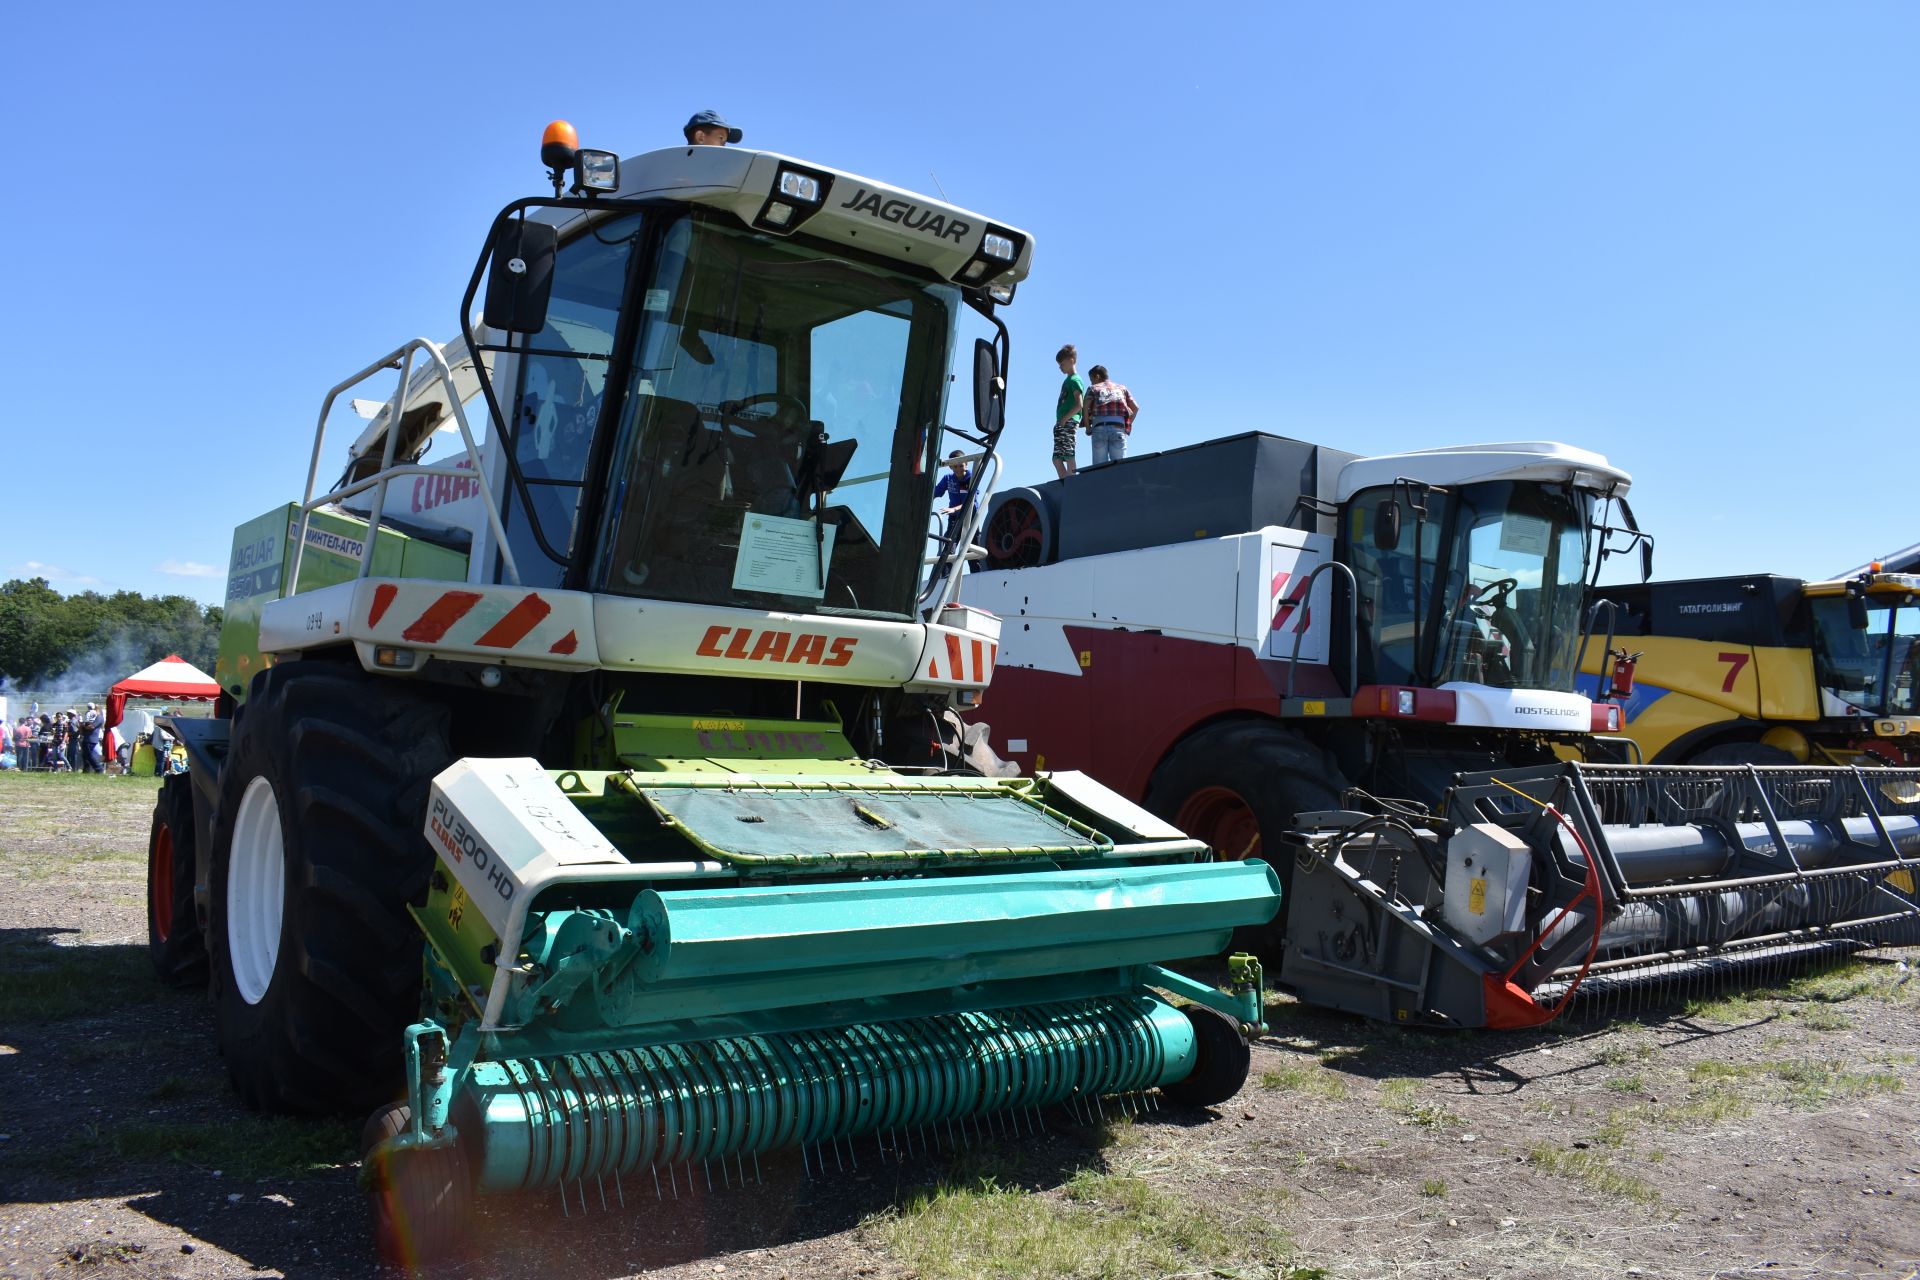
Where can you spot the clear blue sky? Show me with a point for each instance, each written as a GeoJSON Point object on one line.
{"type": "Point", "coordinates": [1687, 236]}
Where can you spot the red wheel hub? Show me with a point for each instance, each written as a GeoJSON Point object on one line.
{"type": "Point", "coordinates": [1219, 816]}
{"type": "Point", "coordinates": [160, 891]}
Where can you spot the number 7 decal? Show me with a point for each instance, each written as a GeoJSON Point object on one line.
{"type": "Point", "coordinates": [1739, 661]}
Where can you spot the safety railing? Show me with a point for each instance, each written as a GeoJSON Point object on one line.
{"type": "Point", "coordinates": [402, 358]}
{"type": "Point", "coordinates": [941, 590]}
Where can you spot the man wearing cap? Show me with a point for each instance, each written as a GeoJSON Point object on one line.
{"type": "Point", "coordinates": [707, 129]}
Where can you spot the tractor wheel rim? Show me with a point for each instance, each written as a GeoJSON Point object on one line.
{"type": "Point", "coordinates": [256, 891]}
{"type": "Point", "coordinates": [1222, 818]}
{"type": "Point", "coordinates": [160, 892]}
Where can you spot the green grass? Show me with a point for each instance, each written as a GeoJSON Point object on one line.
{"type": "Point", "coordinates": [43, 981]}
{"type": "Point", "coordinates": [1309, 1082]}
{"type": "Point", "coordinates": [1620, 1055]}
{"type": "Point", "coordinates": [1402, 1097]}
{"type": "Point", "coordinates": [1627, 1084]}
{"type": "Point", "coordinates": [243, 1147]}
{"type": "Point", "coordinates": [1801, 1082]}
{"type": "Point", "coordinates": [74, 825]}
{"type": "Point", "coordinates": [1434, 1188]}
{"type": "Point", "coordinates": [1592, 1170]}
{"type": "Point", "coordinates": [1101, 1225]}
{"type": "Point", "coordinates": [1809, 1000]}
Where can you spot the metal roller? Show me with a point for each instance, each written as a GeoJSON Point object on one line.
{"type": "Point", "coordinates": [550, 1122]}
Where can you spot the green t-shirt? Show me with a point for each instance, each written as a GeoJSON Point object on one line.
{"type": "Point", "coordinates": [1071, 392]}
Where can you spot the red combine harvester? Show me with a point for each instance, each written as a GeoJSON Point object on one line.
{"type": "Point", "coordinates": [1363, 669]}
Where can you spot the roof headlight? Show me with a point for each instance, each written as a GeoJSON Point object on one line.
{"type": "Point", "coordinates": [597, 172]}
{"type": "Point", "coordinates": [997, 246]}
{"type": "Point", "coordinates": [800, 186]}
{"type": "Point", "coordinates": [778, 214]}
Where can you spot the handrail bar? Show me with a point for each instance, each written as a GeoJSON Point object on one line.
{"type": "Point", "coordinates": [402, 358]}
{"type": "Point", "coordinates": [1353, 624]}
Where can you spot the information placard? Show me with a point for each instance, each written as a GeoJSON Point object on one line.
{"type": "Point", "coordinates": [781, 556]}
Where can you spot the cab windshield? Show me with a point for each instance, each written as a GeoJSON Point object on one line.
{"type": "Point", "coordinates": [1484, 587]}
{"type": "Point", "coordinates": [776, 448]}
{"type": "Point", "coordinates": [1871, 672]}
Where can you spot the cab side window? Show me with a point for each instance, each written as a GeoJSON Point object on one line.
{"type": "Point", "coordinates": [554, 414]}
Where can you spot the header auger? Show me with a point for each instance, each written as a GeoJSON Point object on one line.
{"type": "Point", "coordinates": [637, 714]}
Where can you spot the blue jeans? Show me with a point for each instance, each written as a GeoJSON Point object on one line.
{"type": "Point", "coordinates": [1109, 444]}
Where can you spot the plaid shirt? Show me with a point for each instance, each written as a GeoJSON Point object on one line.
{"type": "Point", "coordinates": [1109, 403]}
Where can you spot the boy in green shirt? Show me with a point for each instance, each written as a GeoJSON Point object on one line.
{"type": "Point", "coordinates": [1066, 414]}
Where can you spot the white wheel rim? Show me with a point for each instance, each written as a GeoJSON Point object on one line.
{"type": "Point", "coordinates": [256, 890]}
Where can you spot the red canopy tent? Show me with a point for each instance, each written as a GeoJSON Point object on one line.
{"type": "Point", "coordinates": [172, 678]}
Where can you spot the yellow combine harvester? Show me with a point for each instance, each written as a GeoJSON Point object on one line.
{"type": "Point", "coordinates": [1764, 670]}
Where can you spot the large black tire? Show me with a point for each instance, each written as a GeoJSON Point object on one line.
{"type": "Point", "coordinates": [1743, 753]}
{"type": "Point", "coordinates": [175, 945]}
{"type": "Point", "coordinates": [1238, 785]}
{"type": "Point", "coordinates": [1222, 1060]}
{"type": "Point", "coordinates": [336, 765]}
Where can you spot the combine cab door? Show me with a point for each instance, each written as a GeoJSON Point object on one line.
{"type": "Point", "coordinates": [1281, 605]}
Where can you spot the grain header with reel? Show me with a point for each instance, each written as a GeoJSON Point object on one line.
{"type": "Point", "coordinates": [591, 774]}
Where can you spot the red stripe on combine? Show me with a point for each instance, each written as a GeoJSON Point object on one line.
{"type": "Point", "coordinates": [956, 667]}
{"type": "Point", "coordinates": [978, 674]}
{"type": "Point", "coordinates": [993, 656]}
{"type": "Point", "coordinates": [565, 644]}
{"type": "Point", "coordinates": [441, 615]}
{"type": "Point", "coordinates": [382, 599]}
{"type": "Point", "coordinates": [513, 628]}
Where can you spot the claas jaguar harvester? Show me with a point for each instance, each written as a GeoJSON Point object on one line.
{"type": "Point", "coordinates": [1363, 669]}
{"type": "Point", "coordinates": [634, 712]}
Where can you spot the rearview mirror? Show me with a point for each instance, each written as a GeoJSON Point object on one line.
{"type": "Point", "coordinates": [520, 279]}
{"type": "Point", "coordinates": [1646, 559]}
{"type": "Point", "coordinates": [1857, 612]}
{"type": "Point", "coordinates": [1386, 525]}
{"type": "Point", "coordinates": [989, 390]}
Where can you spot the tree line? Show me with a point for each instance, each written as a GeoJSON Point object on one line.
{"type": "Point", "coordinates": [47, 639]}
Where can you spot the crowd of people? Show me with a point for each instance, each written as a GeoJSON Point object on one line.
{"type": "Point", "coordinates": [63, 741]}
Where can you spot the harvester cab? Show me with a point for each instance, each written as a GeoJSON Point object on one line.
{"type": "Point", "coordinates": [1759, 669]}
{"type": "Point", "coordinates": [1363, 670]}
{"type": "Point", "coordinates": [638, 717]}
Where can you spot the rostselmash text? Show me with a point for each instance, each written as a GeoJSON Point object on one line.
{"type": "Point", "coordinates": [777, 646]}
{"type": "Point", "coordinates": [462, 845]}
{"type": "Point", "coordinates": [909, 215]}
{"type": "Point", "coordinates": [1570, 712]}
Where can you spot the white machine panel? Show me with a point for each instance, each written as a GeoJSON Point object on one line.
{"type": "Point", "coordinates": [1543, 709]}
{"type": "Point", "coordinates": [502, 825]}
{"type": "Point", "coordinates": [1487, 872]}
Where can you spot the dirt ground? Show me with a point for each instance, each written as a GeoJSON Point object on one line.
{"type": "Point", "coordinates": [1767, 1135]}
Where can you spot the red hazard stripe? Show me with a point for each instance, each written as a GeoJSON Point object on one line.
{"type": "Point", "coordinates": [441, 615]}
{"type": "Point", "coordinates": [513, 628]}
{"type": "Point", "coordinates": [382, 598]}
{"type": "Point", "coordinates": [955, 668]}
{"type": "Point", "coordinates": [978, 672]}
{"type": "Point", "coordinates": [565, 644]}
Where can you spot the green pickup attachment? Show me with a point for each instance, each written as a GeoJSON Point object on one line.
{"type": "Point", "coordinates": [709, 968]}
{"type": "Point", "coordinates": [819, 823]}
